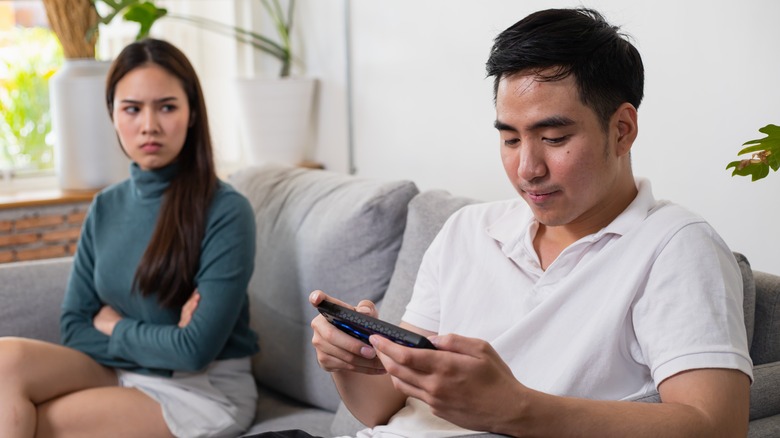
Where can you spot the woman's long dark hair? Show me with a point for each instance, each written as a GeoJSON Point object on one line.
{"type": "Point", "coordinates": [171, 261]}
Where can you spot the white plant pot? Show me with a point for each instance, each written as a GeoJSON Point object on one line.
{"type": "Point", "coordinates": [87, 154]}
{"type": "Point", "coordinates": [275, 117]}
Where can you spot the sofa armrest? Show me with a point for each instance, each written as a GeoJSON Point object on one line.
{"type": "Point", "coordinates": [765, 392]}
{"type": "Point", "coordinates": [31, 293]}
{"type": "Point", "coordinates": [766, 336]}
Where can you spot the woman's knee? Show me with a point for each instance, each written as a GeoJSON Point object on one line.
{"type": "Point", "coordinates": [14, 354]}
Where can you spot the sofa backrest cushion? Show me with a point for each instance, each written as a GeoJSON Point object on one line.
{"type": "Point", "coordinates": [30, 298]}
{"type": "Point", "coordinates": [315, 230]}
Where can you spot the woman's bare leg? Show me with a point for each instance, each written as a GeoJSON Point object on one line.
{"type": "Point", "coordinates": [102, 412]}
{"type": "Point", "coordinates": [34, 372]}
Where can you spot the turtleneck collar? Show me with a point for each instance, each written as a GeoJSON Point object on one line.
{"type": "Point", "coordinates": [151, 184]}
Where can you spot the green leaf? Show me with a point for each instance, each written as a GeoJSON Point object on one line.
{"type": "Point", "coordinates": [774, 161]}
{"type": "Point", "coordinates": [145, 14]}
{"type": "Point", "coordinates": [765, 155]}
{"type": "Point", "coordinates": [756, 170]}
{"type": "Point", "coordinates": [770, 142]}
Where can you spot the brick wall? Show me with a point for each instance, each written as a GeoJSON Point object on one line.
{"type": "Point", "coordinates": [40, 232]}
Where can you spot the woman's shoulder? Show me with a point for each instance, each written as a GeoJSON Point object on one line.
{"type": "Point", "coordinates": [229, 201]}
{"type": "Point", "coordinates": [113, 194]}
{"type": "Point", "coordinates": [228, 194]}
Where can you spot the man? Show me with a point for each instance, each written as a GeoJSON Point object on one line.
{"type": "Point", "coordinates": [550, 313]}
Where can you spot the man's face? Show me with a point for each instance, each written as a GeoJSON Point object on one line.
{"type": "Point", "coordinates": [557, 155]}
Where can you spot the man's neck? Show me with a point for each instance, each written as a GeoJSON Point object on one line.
{"type": "Point", "coordinates": [550, 241]}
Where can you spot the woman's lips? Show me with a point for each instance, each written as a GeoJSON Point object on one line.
{"type": "Point", "coordinates": [151, 147]}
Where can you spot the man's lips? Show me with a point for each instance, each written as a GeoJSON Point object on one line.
{"type": "Point", "coordinates": [537, 195]}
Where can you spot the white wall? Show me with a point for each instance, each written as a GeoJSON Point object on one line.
{"type": "Point", "coordinates": [423, 108]}
{"type": "Point", "coordinates": [424, 111]}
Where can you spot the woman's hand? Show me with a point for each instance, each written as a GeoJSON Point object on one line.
{"type": "Point", "coordinates": [105, 320]}
{"type": "Point", "coordinates": [189, 309]}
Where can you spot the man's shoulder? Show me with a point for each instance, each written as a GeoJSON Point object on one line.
{"type": "Point", "coordinates": [670, 215]}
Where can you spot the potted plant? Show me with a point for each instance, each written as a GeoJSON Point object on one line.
{"type": "Point", "coordinates": [87, 154]}
{"type": "Point", "coordinates": [272, 110]}
{"type": "Point", "coordinates": [765, 155]}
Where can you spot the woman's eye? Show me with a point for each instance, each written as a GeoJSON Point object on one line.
{"type": "Point", "coordinates": [168, 108]}
{"type": "Point", "coordinates": [131, 109]}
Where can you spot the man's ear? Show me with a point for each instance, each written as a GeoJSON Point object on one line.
{"type": "Point", "coordinates": [625, 118]}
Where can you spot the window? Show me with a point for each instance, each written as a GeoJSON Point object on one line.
{"type": "Point", "coordinates": [29, 56]}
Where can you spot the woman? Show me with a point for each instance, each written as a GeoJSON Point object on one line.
{"type": "Point", "coordinates": [155, 320]}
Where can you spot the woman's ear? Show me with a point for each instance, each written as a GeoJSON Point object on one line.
{"type": "Point", "coordinates": [627, 128]}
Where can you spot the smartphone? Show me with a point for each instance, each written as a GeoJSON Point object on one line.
{"type": "Point", "coordinates": [362, 326]}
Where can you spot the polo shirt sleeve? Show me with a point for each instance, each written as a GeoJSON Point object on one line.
{"type": "Point", "coordinates": [690, 314]}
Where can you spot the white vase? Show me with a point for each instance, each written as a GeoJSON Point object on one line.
{"type": "Point", "coordinates": [275, 117]}
{"type": "Point", "coordinates": [87, 154]}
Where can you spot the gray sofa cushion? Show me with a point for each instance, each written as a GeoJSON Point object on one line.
{"type": "Point", "coordinates": [31, 295]}
{"type": "Point", "coordinates": [749, 296]}
{"type": "Point", "coordinates": [315, 230]}
{"type": "Point", "coordinates": [766, 340]}
{"type": "Point", "coordinates": [765, 428]}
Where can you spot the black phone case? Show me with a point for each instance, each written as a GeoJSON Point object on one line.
{"type": "Point", "coordinates": [362, 326]}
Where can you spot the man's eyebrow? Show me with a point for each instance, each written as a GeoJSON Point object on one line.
{"type": "Point", "coordinates": [552, 122]}
{"type": "Point", "coordinates": [501, 126]}
{"type": "Point", "coordinates": [549, 122]}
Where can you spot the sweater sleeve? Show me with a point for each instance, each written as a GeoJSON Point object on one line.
{"type": "Point", "coordinates": [81, 303]}
{"type": "Point", "coordinates": [226, 265]}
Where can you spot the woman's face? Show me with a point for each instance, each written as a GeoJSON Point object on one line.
{"type": "Point", "coordinates": [151, 115]}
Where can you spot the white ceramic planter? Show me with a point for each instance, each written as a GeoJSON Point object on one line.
{"type": "Point", "coordinates": [87, 154]}
{"type": "Point", "coordinates": [275, 117]}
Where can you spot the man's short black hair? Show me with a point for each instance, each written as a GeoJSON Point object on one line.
{"type": "Point", "coordinates": [607, 68]}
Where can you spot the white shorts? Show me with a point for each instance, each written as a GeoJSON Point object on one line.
{"type": "Point", "coordinates": [219, 401]}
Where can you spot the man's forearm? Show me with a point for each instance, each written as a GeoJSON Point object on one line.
{"type": "Point", "coordinates": [704, 403]}
{"type": "Point", "coordinates": [372, 399]}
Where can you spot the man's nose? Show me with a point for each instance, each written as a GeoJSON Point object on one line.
{"type": "Point", "coordinates": [531, 163]}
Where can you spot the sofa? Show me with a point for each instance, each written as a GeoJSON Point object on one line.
{"type": "Point", "coordinates": [354, 238]}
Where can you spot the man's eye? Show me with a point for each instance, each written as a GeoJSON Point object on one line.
{"type": "Point", "coordinates": [512, 142]}
{"type": "Point", "coordinates": [556, 140]}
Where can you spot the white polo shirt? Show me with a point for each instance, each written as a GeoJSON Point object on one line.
{"type": "Point", "coordinates": [654, 293]}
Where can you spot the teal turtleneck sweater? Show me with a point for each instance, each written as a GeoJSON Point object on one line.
{"type": "Point", "coordinates": [147, 340]}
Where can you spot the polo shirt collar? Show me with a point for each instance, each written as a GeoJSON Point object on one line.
{"type": "Point", "coordinates": [518, 224]}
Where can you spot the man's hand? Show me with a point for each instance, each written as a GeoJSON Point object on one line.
{"type": "Point", "coordinates": [105, 320]}
{"type": "Point", "coordinates": [336, 350]}
{"type": "Point", "coordinates": [188, 309]}
{"type": "Point", "coordinates": [464, 381]}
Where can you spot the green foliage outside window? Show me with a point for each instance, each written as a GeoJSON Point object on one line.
{"type": "Point", "coordinates": [29, 57]}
